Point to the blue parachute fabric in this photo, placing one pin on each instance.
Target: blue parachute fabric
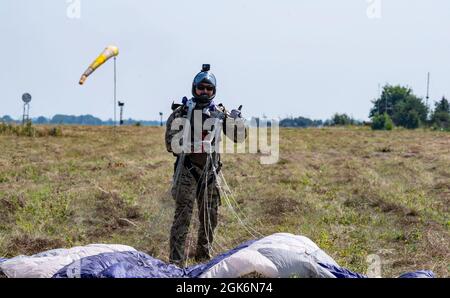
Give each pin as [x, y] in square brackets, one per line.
[149, 269]
[340, 272]
[197, 270]
[418, 274]
[129, 264]
[3, 260]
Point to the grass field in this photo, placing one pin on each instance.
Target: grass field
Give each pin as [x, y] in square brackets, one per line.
[353, 191]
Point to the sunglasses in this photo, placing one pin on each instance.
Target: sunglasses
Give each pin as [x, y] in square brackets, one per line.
[209, 88]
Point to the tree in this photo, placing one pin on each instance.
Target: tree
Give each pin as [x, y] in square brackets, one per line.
[390, 96]
[442, 106]
[441, 114]
[400, 103]
[410, 112]
[300, 122]
[382, 122]
[341, 119]
[7, 119]
[411, 120]
[70, 119]
[441, 119]
[41, 120]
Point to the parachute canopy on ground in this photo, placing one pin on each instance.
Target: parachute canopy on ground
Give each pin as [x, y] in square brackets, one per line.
[277, 255]
[108, 53]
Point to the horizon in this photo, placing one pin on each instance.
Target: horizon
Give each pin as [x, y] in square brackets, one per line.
[154, 120]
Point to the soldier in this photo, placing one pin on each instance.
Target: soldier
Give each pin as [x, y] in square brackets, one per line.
[195, 171]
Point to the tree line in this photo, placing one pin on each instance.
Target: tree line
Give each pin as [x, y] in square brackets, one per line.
[79, 120]
[397, 106]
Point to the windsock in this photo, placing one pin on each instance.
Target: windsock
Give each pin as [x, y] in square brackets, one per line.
[109, 52]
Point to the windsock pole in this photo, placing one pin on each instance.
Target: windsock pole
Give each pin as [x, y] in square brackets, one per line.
[115, 90]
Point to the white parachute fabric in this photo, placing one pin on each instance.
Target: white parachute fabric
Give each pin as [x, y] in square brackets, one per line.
[241, 263]
[277, 255]
[46, 264]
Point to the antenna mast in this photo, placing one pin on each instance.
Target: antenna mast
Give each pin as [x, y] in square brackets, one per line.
[428, 88]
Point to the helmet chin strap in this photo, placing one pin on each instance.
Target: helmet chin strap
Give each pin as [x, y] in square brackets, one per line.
[202, 100]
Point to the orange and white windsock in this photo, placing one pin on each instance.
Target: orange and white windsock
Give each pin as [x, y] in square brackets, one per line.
[109, 52]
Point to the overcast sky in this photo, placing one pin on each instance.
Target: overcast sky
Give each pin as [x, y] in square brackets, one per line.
[278, 58]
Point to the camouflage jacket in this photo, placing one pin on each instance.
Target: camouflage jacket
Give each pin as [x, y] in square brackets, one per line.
[212, 111]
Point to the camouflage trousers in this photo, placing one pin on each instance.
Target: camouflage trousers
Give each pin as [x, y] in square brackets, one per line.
[185, 192]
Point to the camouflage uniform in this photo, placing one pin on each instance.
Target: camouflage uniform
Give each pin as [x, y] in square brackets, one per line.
[190, 187]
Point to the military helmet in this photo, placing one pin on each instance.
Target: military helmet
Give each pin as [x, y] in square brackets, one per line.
[205, 76]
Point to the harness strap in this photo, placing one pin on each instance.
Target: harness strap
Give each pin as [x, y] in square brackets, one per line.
[190, 167]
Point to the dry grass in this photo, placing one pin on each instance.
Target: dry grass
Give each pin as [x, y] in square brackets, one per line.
[353, 191]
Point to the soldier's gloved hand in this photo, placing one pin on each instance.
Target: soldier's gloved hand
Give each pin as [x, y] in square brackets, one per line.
[218, 114]
[235, 114]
